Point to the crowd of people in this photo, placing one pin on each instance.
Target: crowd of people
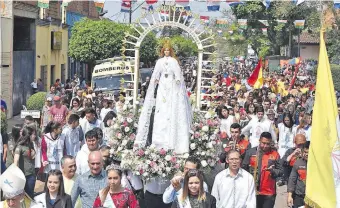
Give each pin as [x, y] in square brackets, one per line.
[265, 134]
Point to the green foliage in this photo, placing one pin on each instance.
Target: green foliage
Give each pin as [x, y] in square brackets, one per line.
[3, 122]
[148, 49]
[333, 40]
[94, 40]
[336, 76]
[36, 101]
[277, 34]
[183, 47]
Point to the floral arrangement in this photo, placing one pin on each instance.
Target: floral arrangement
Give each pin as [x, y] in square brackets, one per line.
[151, 162]
[205, 140]
[124, 129]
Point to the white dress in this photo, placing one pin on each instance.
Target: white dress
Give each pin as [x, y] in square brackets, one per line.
[173, 113]
[225, 125]
[286, 139]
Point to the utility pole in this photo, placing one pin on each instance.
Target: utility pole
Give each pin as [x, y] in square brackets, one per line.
[130, 13]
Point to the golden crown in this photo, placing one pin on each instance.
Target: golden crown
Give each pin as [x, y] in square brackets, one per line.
[167, 44]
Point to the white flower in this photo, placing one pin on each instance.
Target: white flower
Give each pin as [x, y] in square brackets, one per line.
[167, 169]
[186, 155]
[207, 115]
[148, 162]
[163, 175]
[120, 148]
[116, 126]
[203, 153]
[145, 174]
[152, 146]
[125, 107]
[124, 142]
[129, 120]
[205, 128]
[209, 145]
[127, 129]
[135, 125]
[146, 152]
[204, 163]
[137, 173]
[192, 146]
[168, 158]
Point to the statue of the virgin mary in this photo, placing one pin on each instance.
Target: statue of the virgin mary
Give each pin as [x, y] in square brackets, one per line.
[166, 114]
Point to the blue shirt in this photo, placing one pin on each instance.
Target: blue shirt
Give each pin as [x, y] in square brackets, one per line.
[87, 186]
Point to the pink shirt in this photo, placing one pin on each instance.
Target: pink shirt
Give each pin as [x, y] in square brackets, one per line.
[59, 114]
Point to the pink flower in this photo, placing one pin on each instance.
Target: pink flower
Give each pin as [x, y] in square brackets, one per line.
[130, 115]
[141, 171]
[162, 152]
[210, 123]
[201, 125]
[177, 166]
[152, 164]
[132, 136]
[173, 160]
[125, 123]
[140, 152]
[197, 135]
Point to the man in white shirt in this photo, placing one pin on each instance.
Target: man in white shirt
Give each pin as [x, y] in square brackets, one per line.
[90, 121]
[71, 136]
[257, 126]
[234, 187]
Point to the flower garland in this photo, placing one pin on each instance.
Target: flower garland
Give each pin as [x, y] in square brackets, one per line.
[150, 162]
[205, 140]
[124, 130]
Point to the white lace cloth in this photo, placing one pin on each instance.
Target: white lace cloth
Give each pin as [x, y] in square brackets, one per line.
[173, 113]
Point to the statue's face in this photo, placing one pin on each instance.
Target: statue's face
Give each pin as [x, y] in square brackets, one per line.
[167, 52]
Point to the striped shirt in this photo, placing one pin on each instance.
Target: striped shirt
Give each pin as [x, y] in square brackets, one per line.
[87, 187]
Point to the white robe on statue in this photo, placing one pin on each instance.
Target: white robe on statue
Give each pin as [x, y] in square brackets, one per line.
[173, 113]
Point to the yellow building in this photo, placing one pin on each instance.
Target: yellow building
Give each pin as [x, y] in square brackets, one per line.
[51, 53]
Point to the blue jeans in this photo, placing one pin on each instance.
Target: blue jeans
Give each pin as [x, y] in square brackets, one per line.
[30, 184]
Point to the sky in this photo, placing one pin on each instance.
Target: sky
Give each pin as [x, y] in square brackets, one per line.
[113, 7]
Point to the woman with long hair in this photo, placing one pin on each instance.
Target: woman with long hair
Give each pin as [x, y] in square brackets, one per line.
[52, 148]
[37, 147]
[54, 196]
[226, 120]
[24, 157]
[15, 135]
[192, 194]
[286, 135]
[76, 107]
[108, 121]
[115, 195]
[305, 126]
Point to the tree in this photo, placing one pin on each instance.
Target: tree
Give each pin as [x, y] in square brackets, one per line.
[94, 40]
[278, 35]
[183, 46]
[333, 34]
[148, 50]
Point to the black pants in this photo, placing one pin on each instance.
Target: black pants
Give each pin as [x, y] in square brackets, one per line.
[264, 201]
[155, 201]
[298, 201]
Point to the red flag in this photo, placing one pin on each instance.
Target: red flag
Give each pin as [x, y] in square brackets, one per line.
[294, 78]
[255, 75]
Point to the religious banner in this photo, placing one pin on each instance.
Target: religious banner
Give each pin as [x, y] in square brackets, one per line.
[242, 23]
[265, 22]
[221, 23]
[43, 4]
[213, 5]
[300, 24]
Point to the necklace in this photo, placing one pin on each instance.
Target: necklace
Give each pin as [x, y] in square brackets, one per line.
[194, 201]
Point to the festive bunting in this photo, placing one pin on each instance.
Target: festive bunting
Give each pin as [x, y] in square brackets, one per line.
[266, 3]
[183, 4]
[148, 8]
[126, 6]
[151, 1]
[265, 22]
[264, 30]
[337, 4]
[299, 2]
[281, 21]
[45, 4]
[99, 4]
[205, 19]
[221, 23]
[234, 3]
[242, 23]
[213, 5]
[165, 14]
[299, 24]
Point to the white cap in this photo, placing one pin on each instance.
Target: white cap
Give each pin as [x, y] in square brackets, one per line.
[12, 181]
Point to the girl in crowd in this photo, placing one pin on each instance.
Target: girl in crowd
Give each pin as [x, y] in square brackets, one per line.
[305, 127]
[37, 147]
[286, 136]
[114, 195]
[54, 196]
[108, 121]
[192, 194]
[24, 158]
[251, 111]
[16, 133]
[52, 148]
[76, 108]
[226, 120]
